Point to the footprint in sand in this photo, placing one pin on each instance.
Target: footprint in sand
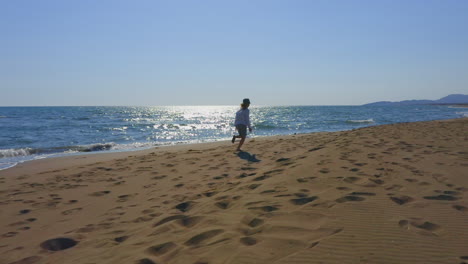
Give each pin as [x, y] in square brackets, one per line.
[58, 244]
[141, 219]
[202, 237]
[360, 164]
[28, 260]
[305, 179]
[394, 187]
[268, 191]
[261, 178]
[284, 195]
[124, 198]
[183, 220]
[24, 211]
[401, 199]
[363, 193]
[350, 198]
[411, 180]
[248, 241]
[159, 177]
[441, 197]
[267, 208]
[351, 179]
[376, 181]
[291, 228]
[185, 206]
[161, 249]
[303, 200]
[255, 222]
[145, 261]
[343, 188]
[71, 211]
[244, 175]
[420, 224]
[119, 183]
[284, 161]
[460, 208]
[209, 194]
[10, 234]
[253, 186]
[121, 239]
[169, 219]
[101, 193]
[223, 204]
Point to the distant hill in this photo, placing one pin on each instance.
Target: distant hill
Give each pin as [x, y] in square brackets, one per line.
[450, 99]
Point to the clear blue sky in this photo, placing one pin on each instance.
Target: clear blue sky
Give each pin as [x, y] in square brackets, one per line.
[287, 52]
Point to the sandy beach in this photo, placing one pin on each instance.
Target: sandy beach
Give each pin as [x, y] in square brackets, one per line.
[384, 194]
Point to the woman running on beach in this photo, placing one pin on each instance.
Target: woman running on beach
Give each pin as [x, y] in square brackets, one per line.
[242, 122]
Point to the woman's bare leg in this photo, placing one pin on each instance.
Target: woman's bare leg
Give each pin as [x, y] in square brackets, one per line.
[240, 143]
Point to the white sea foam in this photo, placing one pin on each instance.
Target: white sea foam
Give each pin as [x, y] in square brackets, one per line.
[463, 114]
[120, 128]
[7, 165]
[370, 120]
[8, 153]
[93, 147]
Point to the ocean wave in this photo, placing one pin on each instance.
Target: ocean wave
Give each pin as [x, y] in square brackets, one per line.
[370, 120]
[266, 126]
[92, 147]
[7, 165]
[463, 114]
[10, 153]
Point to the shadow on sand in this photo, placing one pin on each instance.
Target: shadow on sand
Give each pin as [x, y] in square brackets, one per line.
[247, 156]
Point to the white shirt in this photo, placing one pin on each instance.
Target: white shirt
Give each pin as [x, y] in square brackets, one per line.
[242, 117]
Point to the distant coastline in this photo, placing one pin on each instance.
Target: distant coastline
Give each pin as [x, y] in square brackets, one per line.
[455, 105]
[453, 99]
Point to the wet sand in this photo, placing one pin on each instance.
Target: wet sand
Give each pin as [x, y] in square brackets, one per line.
[384, 194]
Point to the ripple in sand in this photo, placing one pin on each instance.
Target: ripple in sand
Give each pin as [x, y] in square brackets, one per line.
[198, 239]
[248, 241]
[28, 260]
[161, 249]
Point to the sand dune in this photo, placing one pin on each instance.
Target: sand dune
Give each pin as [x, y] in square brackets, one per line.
[385, 194]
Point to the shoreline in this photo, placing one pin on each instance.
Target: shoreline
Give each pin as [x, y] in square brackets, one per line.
[119, 153]
[384, 194]
[131, 133]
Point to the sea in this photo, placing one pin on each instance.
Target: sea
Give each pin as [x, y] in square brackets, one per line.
[30, 133]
